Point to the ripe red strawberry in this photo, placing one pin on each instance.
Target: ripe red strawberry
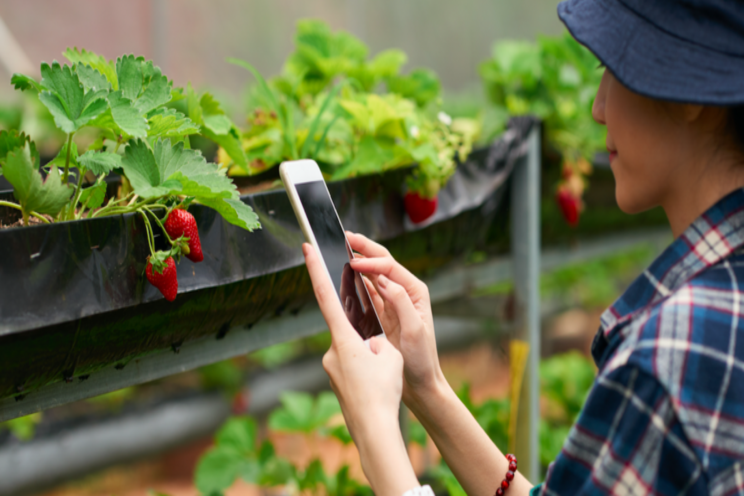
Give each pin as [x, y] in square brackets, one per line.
[167, 281]
[419, 208]
[181, 223]
[570, 206]
[240, 402]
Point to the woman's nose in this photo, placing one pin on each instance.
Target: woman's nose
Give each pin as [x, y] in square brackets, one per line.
[598, 108]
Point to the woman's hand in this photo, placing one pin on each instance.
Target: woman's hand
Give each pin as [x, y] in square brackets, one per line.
[368, 383]
[402, 302]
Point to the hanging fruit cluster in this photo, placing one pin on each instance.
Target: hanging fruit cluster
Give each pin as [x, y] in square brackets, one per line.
[571, 189]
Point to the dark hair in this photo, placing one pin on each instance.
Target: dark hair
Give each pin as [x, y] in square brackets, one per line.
[736, 123]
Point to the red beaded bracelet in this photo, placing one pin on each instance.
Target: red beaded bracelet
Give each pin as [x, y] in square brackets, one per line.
[509, 475]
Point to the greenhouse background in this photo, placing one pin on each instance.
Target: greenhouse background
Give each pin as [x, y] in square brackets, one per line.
[189, 39]
[524, 192]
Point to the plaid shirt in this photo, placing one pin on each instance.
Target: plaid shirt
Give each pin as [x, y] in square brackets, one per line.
[666, 412]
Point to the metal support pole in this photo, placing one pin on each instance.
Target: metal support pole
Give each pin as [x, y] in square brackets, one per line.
[525, 220]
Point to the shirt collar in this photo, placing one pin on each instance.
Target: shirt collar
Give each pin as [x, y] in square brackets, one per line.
[709, 239]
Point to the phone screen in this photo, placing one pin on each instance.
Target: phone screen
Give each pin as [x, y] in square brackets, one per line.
[336, 253]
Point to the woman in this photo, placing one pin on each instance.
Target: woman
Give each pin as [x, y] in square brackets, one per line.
[666, 412]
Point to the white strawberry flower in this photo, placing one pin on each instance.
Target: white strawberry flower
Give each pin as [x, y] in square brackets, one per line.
[444, 118]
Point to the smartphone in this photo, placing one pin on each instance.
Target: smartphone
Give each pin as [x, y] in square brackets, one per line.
[322, 228]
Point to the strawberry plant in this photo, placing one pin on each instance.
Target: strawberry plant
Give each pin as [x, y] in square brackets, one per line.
[353, 114]
[555, 79]
[238, 453]
[138, 136]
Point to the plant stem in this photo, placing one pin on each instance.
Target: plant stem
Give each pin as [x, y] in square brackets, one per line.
[79, 215]
[78, 192]
[117, 209]
[150, 236]
[4, 203]
[147, 209]
[67, 160]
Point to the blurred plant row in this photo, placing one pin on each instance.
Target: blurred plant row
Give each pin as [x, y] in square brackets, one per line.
[240, 452]
[355, 114]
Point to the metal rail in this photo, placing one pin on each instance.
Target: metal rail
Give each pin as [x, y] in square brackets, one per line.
[457, 281]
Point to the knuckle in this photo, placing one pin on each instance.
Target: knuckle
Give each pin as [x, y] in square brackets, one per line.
[396, 291]
[328, 361]
[423, 289]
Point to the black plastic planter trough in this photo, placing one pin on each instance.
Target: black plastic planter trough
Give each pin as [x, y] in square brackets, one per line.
[74, 299]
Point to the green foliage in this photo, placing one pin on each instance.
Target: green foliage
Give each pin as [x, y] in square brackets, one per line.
[566, 379]
[592, 283]
[22, 428]
[492, 415]
[301, 413]
[34, 194]
[71, 105]
[443, 474]
[138, 136]
[238, 453]
[596, 282]
[99, 162]
[352, 114]
[555, 79]
[224, 375]
[215, 125]
[124, 99]
[277, 354]
[11, 140]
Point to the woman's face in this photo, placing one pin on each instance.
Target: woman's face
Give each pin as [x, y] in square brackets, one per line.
[645, 142]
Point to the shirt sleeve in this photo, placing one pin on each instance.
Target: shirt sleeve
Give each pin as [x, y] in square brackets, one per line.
[627, 440]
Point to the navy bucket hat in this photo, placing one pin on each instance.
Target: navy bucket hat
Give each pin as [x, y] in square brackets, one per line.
[688, 51]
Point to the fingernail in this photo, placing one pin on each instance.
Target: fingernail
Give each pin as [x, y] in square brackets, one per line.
[382, 281]
[348, 303]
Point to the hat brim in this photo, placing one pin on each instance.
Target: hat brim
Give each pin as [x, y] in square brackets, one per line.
[651, 61]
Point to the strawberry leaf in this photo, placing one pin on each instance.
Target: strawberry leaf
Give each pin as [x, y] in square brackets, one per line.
[61, 157]
[169, 123]
[216, 126]
[23, 83]
[9, 140]
[93, 197]
[68, 102]
[213, 116]
[142, 83]
[35, 195]
[126, 117]
[142, 88]
[167, 169]
[95, 61]
[234, 211]
[100, 162]
[91, 78]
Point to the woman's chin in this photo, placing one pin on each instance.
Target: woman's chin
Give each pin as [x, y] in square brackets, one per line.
[630, 204]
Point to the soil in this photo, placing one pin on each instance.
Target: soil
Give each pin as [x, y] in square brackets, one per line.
[32, 221]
